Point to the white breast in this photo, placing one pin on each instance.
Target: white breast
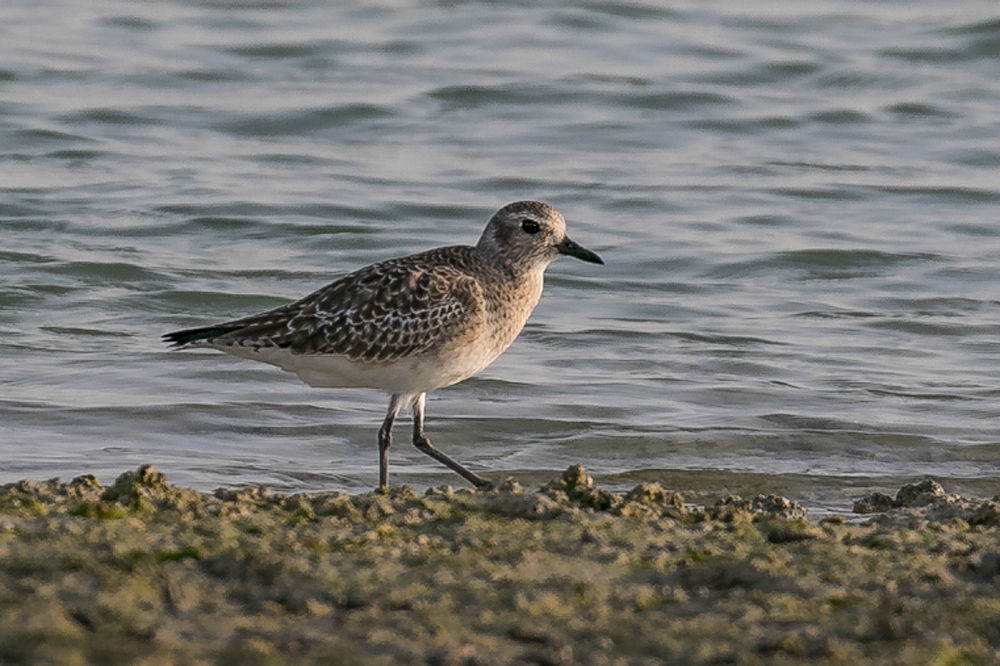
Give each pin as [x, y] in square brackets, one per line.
[406, 376]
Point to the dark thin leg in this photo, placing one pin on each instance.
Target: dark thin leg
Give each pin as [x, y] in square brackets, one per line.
[385, 440]
[423, 444]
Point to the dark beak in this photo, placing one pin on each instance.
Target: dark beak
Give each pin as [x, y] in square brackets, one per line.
[572, 249]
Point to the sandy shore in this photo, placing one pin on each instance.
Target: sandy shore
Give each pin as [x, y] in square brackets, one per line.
[143, 572]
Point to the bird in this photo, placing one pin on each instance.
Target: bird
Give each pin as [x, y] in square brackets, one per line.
[409, 325]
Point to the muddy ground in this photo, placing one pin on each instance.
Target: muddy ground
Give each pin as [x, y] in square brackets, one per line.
[143, 572]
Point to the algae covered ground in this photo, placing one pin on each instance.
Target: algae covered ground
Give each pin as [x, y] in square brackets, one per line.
[142, 572]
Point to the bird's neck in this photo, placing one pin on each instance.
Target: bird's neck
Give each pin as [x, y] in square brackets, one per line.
[519, 296]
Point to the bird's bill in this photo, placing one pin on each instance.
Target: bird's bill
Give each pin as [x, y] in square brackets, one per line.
[572, 249]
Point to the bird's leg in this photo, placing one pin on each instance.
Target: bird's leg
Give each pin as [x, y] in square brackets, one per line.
[423, 444]
[385, 439]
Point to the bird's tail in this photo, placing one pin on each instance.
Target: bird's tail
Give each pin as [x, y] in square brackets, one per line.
[186, 337]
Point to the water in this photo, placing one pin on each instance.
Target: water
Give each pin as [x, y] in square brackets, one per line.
[797, 203]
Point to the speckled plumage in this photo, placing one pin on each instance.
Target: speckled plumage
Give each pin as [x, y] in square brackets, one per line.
[412, 324]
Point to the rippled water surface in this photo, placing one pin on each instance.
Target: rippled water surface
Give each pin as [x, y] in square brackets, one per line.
[797, 203]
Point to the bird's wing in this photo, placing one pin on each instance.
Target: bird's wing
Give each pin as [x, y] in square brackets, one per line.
[379, 314]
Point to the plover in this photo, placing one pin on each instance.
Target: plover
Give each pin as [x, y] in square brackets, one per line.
[409, 325]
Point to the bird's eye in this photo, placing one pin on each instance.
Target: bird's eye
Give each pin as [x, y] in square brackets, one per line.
[530, 226]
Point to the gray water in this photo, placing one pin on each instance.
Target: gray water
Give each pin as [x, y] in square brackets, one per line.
[797, 203]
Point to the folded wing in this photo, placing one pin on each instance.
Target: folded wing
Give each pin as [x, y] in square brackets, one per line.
[379, 314]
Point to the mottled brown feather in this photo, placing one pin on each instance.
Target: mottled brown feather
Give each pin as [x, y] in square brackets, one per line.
[379, 314]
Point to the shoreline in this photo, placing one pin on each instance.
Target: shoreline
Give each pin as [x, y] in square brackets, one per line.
[142, 571]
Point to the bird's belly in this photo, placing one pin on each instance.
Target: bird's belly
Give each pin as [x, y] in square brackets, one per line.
[405, 376]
